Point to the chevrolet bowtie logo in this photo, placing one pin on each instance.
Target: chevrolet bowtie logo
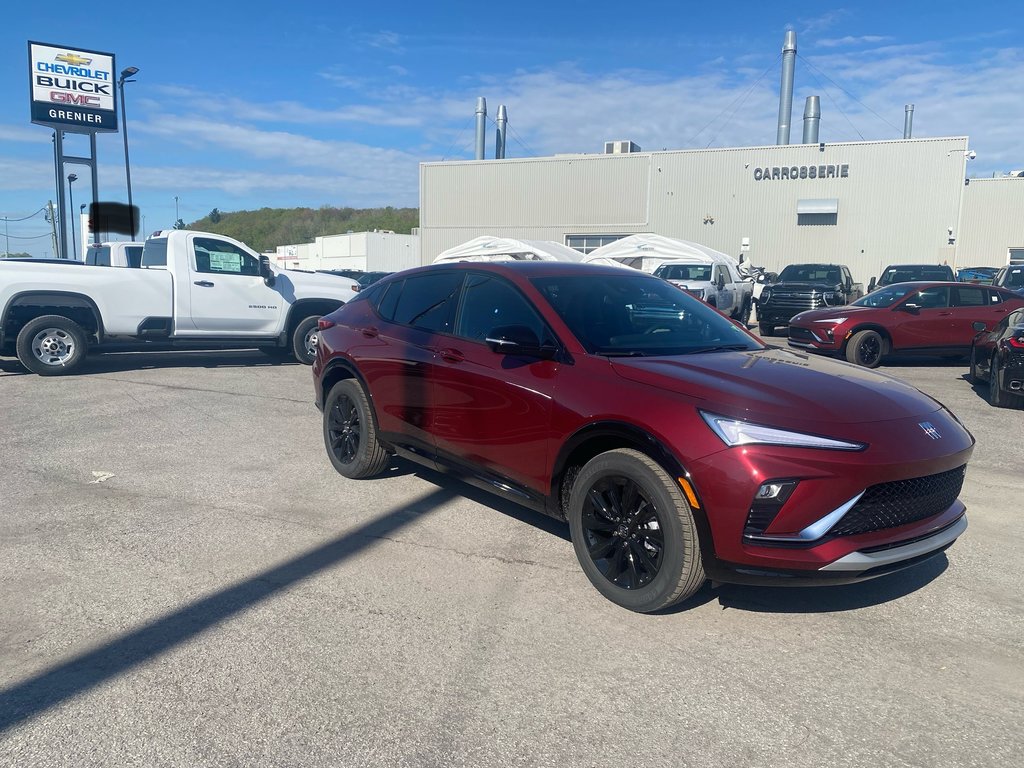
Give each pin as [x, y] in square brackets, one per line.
[72, 59]
[930, 430]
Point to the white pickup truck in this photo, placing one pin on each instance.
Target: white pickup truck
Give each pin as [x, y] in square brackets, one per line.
[192, 289]
[716, 281]
[117, 253]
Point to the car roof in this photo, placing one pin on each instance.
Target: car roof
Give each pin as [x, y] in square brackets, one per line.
[911, 266]
[530, 269]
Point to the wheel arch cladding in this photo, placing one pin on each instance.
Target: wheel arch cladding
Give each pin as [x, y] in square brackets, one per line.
[29, 305]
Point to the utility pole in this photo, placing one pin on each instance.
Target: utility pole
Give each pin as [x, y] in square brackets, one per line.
[7, 234]
[52, 218]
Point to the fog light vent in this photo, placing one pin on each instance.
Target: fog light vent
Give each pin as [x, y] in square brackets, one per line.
[768, 501]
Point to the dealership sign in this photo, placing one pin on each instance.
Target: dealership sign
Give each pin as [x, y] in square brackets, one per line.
[72, 89]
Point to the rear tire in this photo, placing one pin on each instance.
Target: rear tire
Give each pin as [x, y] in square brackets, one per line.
[766, 329]
[866, 349]
[52, 345]
[973, 375]
[304, 340]
[997, 396]
[744, 316]
[350, 433]
[633, 532]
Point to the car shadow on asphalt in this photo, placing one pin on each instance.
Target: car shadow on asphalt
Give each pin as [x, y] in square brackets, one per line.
[117, 362]
[54, 686]
[817, 599]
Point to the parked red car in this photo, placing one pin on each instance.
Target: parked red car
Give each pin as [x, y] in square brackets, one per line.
[678, 446]
[934, 318]
[997, 357]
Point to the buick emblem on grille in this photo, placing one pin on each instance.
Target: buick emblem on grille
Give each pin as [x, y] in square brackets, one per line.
[930, 430]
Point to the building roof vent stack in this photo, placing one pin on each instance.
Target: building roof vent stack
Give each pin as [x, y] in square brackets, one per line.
[481, 127]
[812, 119]
[786, 91]
[908, 121]
[499, 136]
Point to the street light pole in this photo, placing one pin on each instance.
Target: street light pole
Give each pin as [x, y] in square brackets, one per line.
[72, 178]
[7, 234]
[175, 211]
[126, 73]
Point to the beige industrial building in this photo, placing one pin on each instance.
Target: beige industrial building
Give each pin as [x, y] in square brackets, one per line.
[864, 204]
[376, 251]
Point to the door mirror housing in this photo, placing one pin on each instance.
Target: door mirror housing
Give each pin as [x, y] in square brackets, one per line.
[721, 282]
[519, 340]
[871, 285]
[266, 272]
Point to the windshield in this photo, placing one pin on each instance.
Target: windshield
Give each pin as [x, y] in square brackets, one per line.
[915, 272]
[1014, 278]
[884, 297]
[627, 315]
[810, 273]
[695, 272]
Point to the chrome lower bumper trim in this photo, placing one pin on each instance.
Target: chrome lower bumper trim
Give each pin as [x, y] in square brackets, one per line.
[862, 561]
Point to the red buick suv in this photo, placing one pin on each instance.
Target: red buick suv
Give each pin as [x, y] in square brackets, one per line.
[677, 446]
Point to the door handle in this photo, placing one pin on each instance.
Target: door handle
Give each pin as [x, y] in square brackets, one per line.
[370, 333]
[204, 283]
[451, 355]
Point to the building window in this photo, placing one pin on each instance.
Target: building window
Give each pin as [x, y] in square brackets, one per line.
[587, 243]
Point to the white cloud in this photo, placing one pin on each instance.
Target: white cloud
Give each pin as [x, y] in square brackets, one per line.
[849, 40]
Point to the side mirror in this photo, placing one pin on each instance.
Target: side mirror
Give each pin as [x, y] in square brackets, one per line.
[266, 272]
[871, 285]
[979, 326]
[721, 282]
[519, 340]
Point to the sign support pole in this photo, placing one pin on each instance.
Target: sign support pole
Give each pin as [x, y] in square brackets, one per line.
[62, 207]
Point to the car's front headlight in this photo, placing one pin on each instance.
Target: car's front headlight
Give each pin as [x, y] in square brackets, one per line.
[734, 432]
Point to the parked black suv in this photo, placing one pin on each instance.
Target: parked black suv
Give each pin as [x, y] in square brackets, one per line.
[802, 287]
[908, 273]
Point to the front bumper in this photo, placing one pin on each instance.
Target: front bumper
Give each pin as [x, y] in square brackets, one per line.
[858, 566]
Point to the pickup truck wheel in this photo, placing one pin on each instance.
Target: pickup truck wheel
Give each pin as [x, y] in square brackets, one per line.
[304, 341]
[865, 348]
[744, 315]
[766, 329]
[633, 532]
[52, 345]
[350, 433]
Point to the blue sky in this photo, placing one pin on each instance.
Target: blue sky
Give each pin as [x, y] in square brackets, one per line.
[246, 105]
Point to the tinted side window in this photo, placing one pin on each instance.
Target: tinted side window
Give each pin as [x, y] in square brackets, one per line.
[931, 298]
[154, 253]
[428, 301]
[220, 257]
[134, 254]
[971, 297]
[389, 300]
[488, 302]
[98, 255]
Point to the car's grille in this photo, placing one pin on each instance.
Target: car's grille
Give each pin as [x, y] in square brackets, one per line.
[800, 334]
[890, 505]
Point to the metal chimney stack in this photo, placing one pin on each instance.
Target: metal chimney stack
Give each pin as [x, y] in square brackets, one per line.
[786, 92]
[481, 127]
[812, 118]
[499, 138]
[908, 121]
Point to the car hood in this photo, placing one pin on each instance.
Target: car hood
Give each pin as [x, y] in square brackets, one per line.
[802, 286]
[781, 386]
[307, 285]
[830, 313]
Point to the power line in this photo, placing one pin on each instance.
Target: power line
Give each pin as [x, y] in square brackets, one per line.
[741, 103]
[739, 98]
[25, 218]
[869, 109]
[32, 237]
[457, 138]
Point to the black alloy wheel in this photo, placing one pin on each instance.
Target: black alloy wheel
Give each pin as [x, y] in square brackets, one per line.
[343, 425]
[973, 374]
[350, 433]
[624, 537]
[865, 348]
[633, 531]
[996, 396]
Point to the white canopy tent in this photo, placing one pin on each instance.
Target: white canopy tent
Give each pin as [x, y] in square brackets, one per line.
[487, 248]
[648, 251]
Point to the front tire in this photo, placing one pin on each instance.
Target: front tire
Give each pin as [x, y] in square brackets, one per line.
[633, 532]
[866, 348]
[304, 339]
[766, 329]
[52, 345]
[350, 433]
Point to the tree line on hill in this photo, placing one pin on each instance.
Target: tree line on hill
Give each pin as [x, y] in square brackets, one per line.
[267, 228]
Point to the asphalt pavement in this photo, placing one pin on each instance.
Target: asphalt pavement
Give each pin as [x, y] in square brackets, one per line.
[185, 581]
